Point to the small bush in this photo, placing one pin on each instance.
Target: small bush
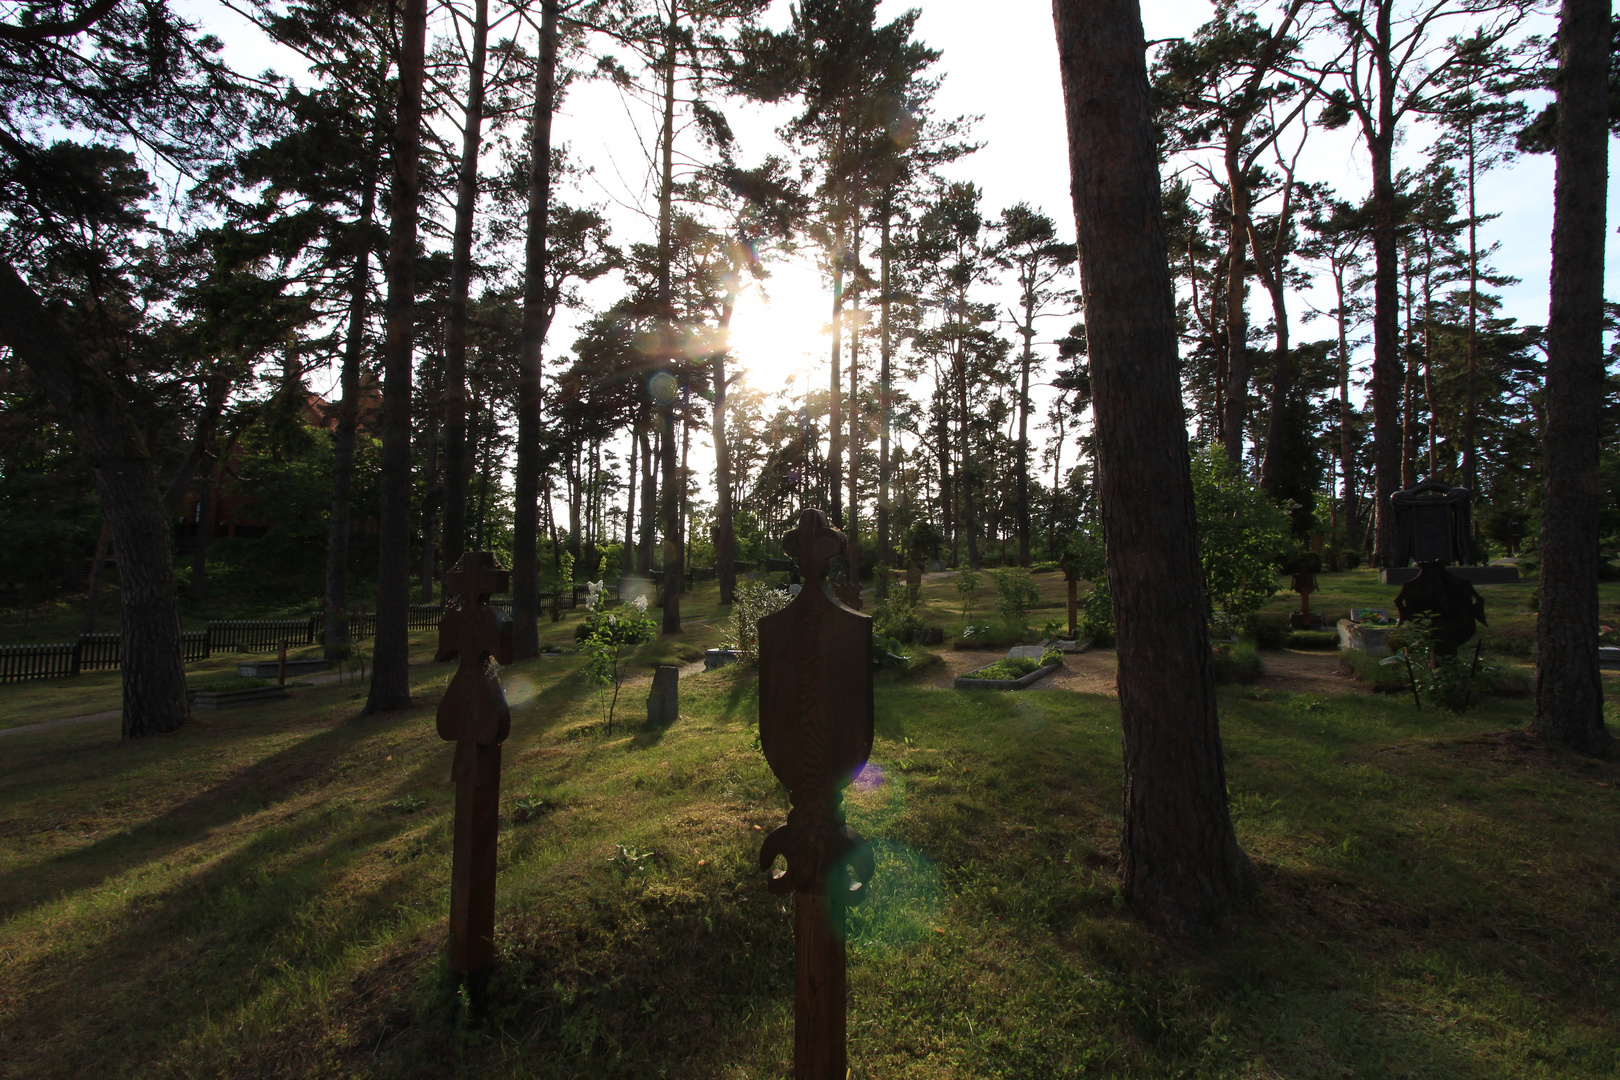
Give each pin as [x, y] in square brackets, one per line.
[1368, 669]
[987, 636]
[1016, 593]
[897, 617]
[753, 601]
[1313, 639]
[1237, 663]
[1266, 631]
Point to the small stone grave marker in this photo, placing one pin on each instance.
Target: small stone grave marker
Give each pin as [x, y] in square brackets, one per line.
[473, 715]
[815, 727]
[664, 702]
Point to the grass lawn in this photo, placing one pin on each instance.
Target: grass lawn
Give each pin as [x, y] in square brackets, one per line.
[263, 893]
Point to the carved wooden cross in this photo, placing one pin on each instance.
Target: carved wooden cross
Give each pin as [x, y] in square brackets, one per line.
[815, 726]
[473, 715]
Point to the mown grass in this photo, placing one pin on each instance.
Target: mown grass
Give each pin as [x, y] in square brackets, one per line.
[264, 893]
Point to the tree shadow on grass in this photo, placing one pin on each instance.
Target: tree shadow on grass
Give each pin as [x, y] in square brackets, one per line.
[272, 917]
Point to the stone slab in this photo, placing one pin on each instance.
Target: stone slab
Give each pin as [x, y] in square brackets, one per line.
[715, 658]
[1372, 640]
[664, 702]
[1479, 575]
[1608, 656]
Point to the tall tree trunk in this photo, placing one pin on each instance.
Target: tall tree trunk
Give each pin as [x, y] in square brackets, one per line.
[1180, 858]
[205, 527]
[725, 565]
[154, 676]
[455, 325]
[1470, 462]
[627, 558]
[1385, 390]
[967, 470]
[92, 604]
[854, 551]
[526, 476]
[1569, 688]
[673, 487]
[835, 421]
[432, 492]
[1270, 268]
[1409, 390]
[644, 551]
[391, 676]
[335, 600]
[1026, 361]
[885, 358]
[1236, 397]
[1347, 446]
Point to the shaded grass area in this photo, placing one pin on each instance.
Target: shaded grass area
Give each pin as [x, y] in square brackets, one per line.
[263, 894]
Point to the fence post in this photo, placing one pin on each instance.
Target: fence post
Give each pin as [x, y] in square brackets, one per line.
[78, 647]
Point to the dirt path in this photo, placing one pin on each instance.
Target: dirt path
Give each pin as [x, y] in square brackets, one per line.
[61, 721]
[1095, 670]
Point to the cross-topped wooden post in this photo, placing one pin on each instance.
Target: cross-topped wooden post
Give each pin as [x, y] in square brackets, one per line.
[815, 726]
[473, 715]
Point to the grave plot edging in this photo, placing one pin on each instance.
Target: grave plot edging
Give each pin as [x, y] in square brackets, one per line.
[965, 683]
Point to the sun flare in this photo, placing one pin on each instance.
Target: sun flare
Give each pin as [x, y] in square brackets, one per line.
[779, 330]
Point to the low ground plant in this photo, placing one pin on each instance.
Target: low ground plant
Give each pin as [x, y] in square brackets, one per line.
[1016, 667]
[1237, 662]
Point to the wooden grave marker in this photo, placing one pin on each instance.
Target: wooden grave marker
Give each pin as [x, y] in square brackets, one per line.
[473, 715]
[815, 727]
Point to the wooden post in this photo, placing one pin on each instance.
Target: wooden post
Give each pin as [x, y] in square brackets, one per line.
[1074, 606]
[473, 715]
[281, 664]
[815, 727]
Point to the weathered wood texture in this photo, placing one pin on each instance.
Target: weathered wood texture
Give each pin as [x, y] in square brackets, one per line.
[815, 727]
[473, 715]
[1180, 861]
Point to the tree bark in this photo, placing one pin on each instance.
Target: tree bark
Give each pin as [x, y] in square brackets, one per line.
[644, 549]
[390, 668]
[92, 604]
[1180, 860]
[1569, 688]
[432, 493]
[885, 358]
[336, 598]
[154, 676]
[205, 526]
[673, 487]
[455, 327]
[526, 477]
[725, 566]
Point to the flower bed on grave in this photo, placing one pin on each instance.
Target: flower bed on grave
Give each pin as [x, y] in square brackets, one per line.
[1011, 673]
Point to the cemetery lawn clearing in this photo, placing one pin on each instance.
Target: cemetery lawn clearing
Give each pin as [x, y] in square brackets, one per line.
[264, 893]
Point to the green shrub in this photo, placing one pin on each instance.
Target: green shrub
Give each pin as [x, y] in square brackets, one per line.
[967, 590]
[753, 601]
[1368, 669]
[612, 636]
[1313, 639]
[1266, 631]
[1016, 593]
[1086, 558]
[987, 636]
[1238, 662]
[897, 617]
[1240, 532]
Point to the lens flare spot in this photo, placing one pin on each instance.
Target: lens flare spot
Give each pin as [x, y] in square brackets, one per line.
[520, 690]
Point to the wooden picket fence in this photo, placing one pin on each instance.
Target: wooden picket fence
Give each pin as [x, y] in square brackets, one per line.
[97, 652]
[92, 652]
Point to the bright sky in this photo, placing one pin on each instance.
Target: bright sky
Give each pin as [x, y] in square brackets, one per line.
[1002, 68]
